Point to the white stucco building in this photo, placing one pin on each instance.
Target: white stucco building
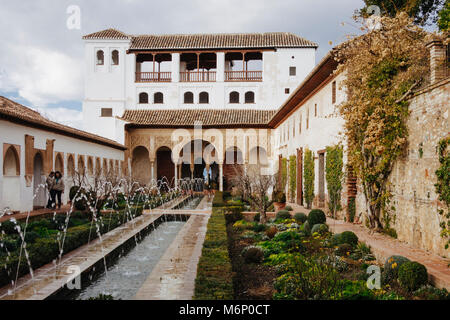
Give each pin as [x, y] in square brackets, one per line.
[173, 72]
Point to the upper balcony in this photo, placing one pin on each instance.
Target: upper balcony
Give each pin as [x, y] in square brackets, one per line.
[199, 67]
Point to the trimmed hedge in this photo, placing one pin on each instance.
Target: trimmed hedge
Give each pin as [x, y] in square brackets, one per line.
[214, 275]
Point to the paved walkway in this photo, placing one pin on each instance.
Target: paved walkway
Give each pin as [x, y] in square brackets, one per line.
[384, 246]
[173, 278]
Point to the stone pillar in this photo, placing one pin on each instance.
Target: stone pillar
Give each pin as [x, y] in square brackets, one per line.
[152, 169]
[220, 76]
[220, 176]
[207, 172]
[438, 63]
[192, 166]
[175, 67]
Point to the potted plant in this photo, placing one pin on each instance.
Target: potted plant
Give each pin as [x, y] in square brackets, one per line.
[279, 200]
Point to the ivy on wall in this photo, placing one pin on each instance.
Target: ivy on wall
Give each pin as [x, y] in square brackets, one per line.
[334, 175]
[283, 174]
[308, 177]
[383, 69]
[292, 177]
[443, 187]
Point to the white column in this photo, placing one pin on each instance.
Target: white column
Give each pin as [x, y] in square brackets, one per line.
[152, 166]
[220, 76]
[175, 67]
[176, 175]
[220, 177]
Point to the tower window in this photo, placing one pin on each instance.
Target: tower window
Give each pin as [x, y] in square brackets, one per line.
[249, 97]
[106, 112]
[292, 71]
[286, 90]
[188, 97]
[143, 97]
[115, 58]
[100, 58]
[203, 97]
[158, 97]
[234, 97]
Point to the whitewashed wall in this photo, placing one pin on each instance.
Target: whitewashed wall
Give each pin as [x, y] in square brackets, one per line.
[12, 133]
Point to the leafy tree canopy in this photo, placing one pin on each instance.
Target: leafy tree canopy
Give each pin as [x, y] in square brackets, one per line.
[423, 11]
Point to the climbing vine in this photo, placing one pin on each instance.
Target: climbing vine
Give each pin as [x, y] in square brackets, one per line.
[443, 187]
[283, 174]
[308, 177]
[383, 69]
[292, 177]
[334, 175]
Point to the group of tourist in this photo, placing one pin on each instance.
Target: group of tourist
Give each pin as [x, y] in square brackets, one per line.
[55, 185]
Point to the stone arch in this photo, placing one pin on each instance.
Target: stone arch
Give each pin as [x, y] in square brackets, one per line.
[59, 163]
[38, 180]
[165, 168]
[140, 165]
[258, 156]
[70, 166]
[233, 161]
[105, 167]
[11, 162]
[80, 165]
[98, 166]
[90, 166]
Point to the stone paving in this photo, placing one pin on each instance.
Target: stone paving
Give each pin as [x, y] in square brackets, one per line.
[173, 278]
[384, 246]
[50, 278]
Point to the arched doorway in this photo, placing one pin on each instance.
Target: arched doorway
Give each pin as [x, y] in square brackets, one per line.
[11, 180]
[38, 181]
[165, 168]
[140, 165]
[59, 164]
[232, 166]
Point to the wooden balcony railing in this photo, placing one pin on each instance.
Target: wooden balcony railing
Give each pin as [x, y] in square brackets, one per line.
[243, 75]
[198, 76]
[153, 76]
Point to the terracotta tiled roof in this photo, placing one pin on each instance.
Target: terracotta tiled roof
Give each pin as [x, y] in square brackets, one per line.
[207, 41]
[16, 112]
[209, 117]
[108, 34]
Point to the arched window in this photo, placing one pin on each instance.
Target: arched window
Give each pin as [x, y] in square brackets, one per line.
[188, 97]
[249, 97]
[234, 97]
[11, 163]
[204, 97]
[143, 97]
[158, 97]
[115, 58]
[100, 58]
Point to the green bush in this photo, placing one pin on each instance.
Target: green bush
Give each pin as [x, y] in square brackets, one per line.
[412, 275]
[283, 214]
[306, 228]
[349, 237]
[218, 199]
[391, 266]
[233, 214]
[356, 290]
[253, 255]
[300, 217]
[257, 217]
[319, 228]
[279, 196]
[287, 236]
[259, 227]
[344, 250]
[8, 227]
[316, 216]
[288, 208]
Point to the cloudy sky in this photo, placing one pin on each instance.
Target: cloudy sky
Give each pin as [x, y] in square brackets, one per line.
[41, 60]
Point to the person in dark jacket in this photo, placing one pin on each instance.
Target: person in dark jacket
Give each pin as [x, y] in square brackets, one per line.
[49, 182]
[58, 187]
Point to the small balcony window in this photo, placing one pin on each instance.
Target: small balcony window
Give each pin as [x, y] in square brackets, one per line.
[106, 112]
[100, 58]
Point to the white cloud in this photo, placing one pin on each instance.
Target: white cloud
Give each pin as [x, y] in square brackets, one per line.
[70, 117]
[42, 76]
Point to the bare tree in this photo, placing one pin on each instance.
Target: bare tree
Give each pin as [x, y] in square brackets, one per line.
[254, 186]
